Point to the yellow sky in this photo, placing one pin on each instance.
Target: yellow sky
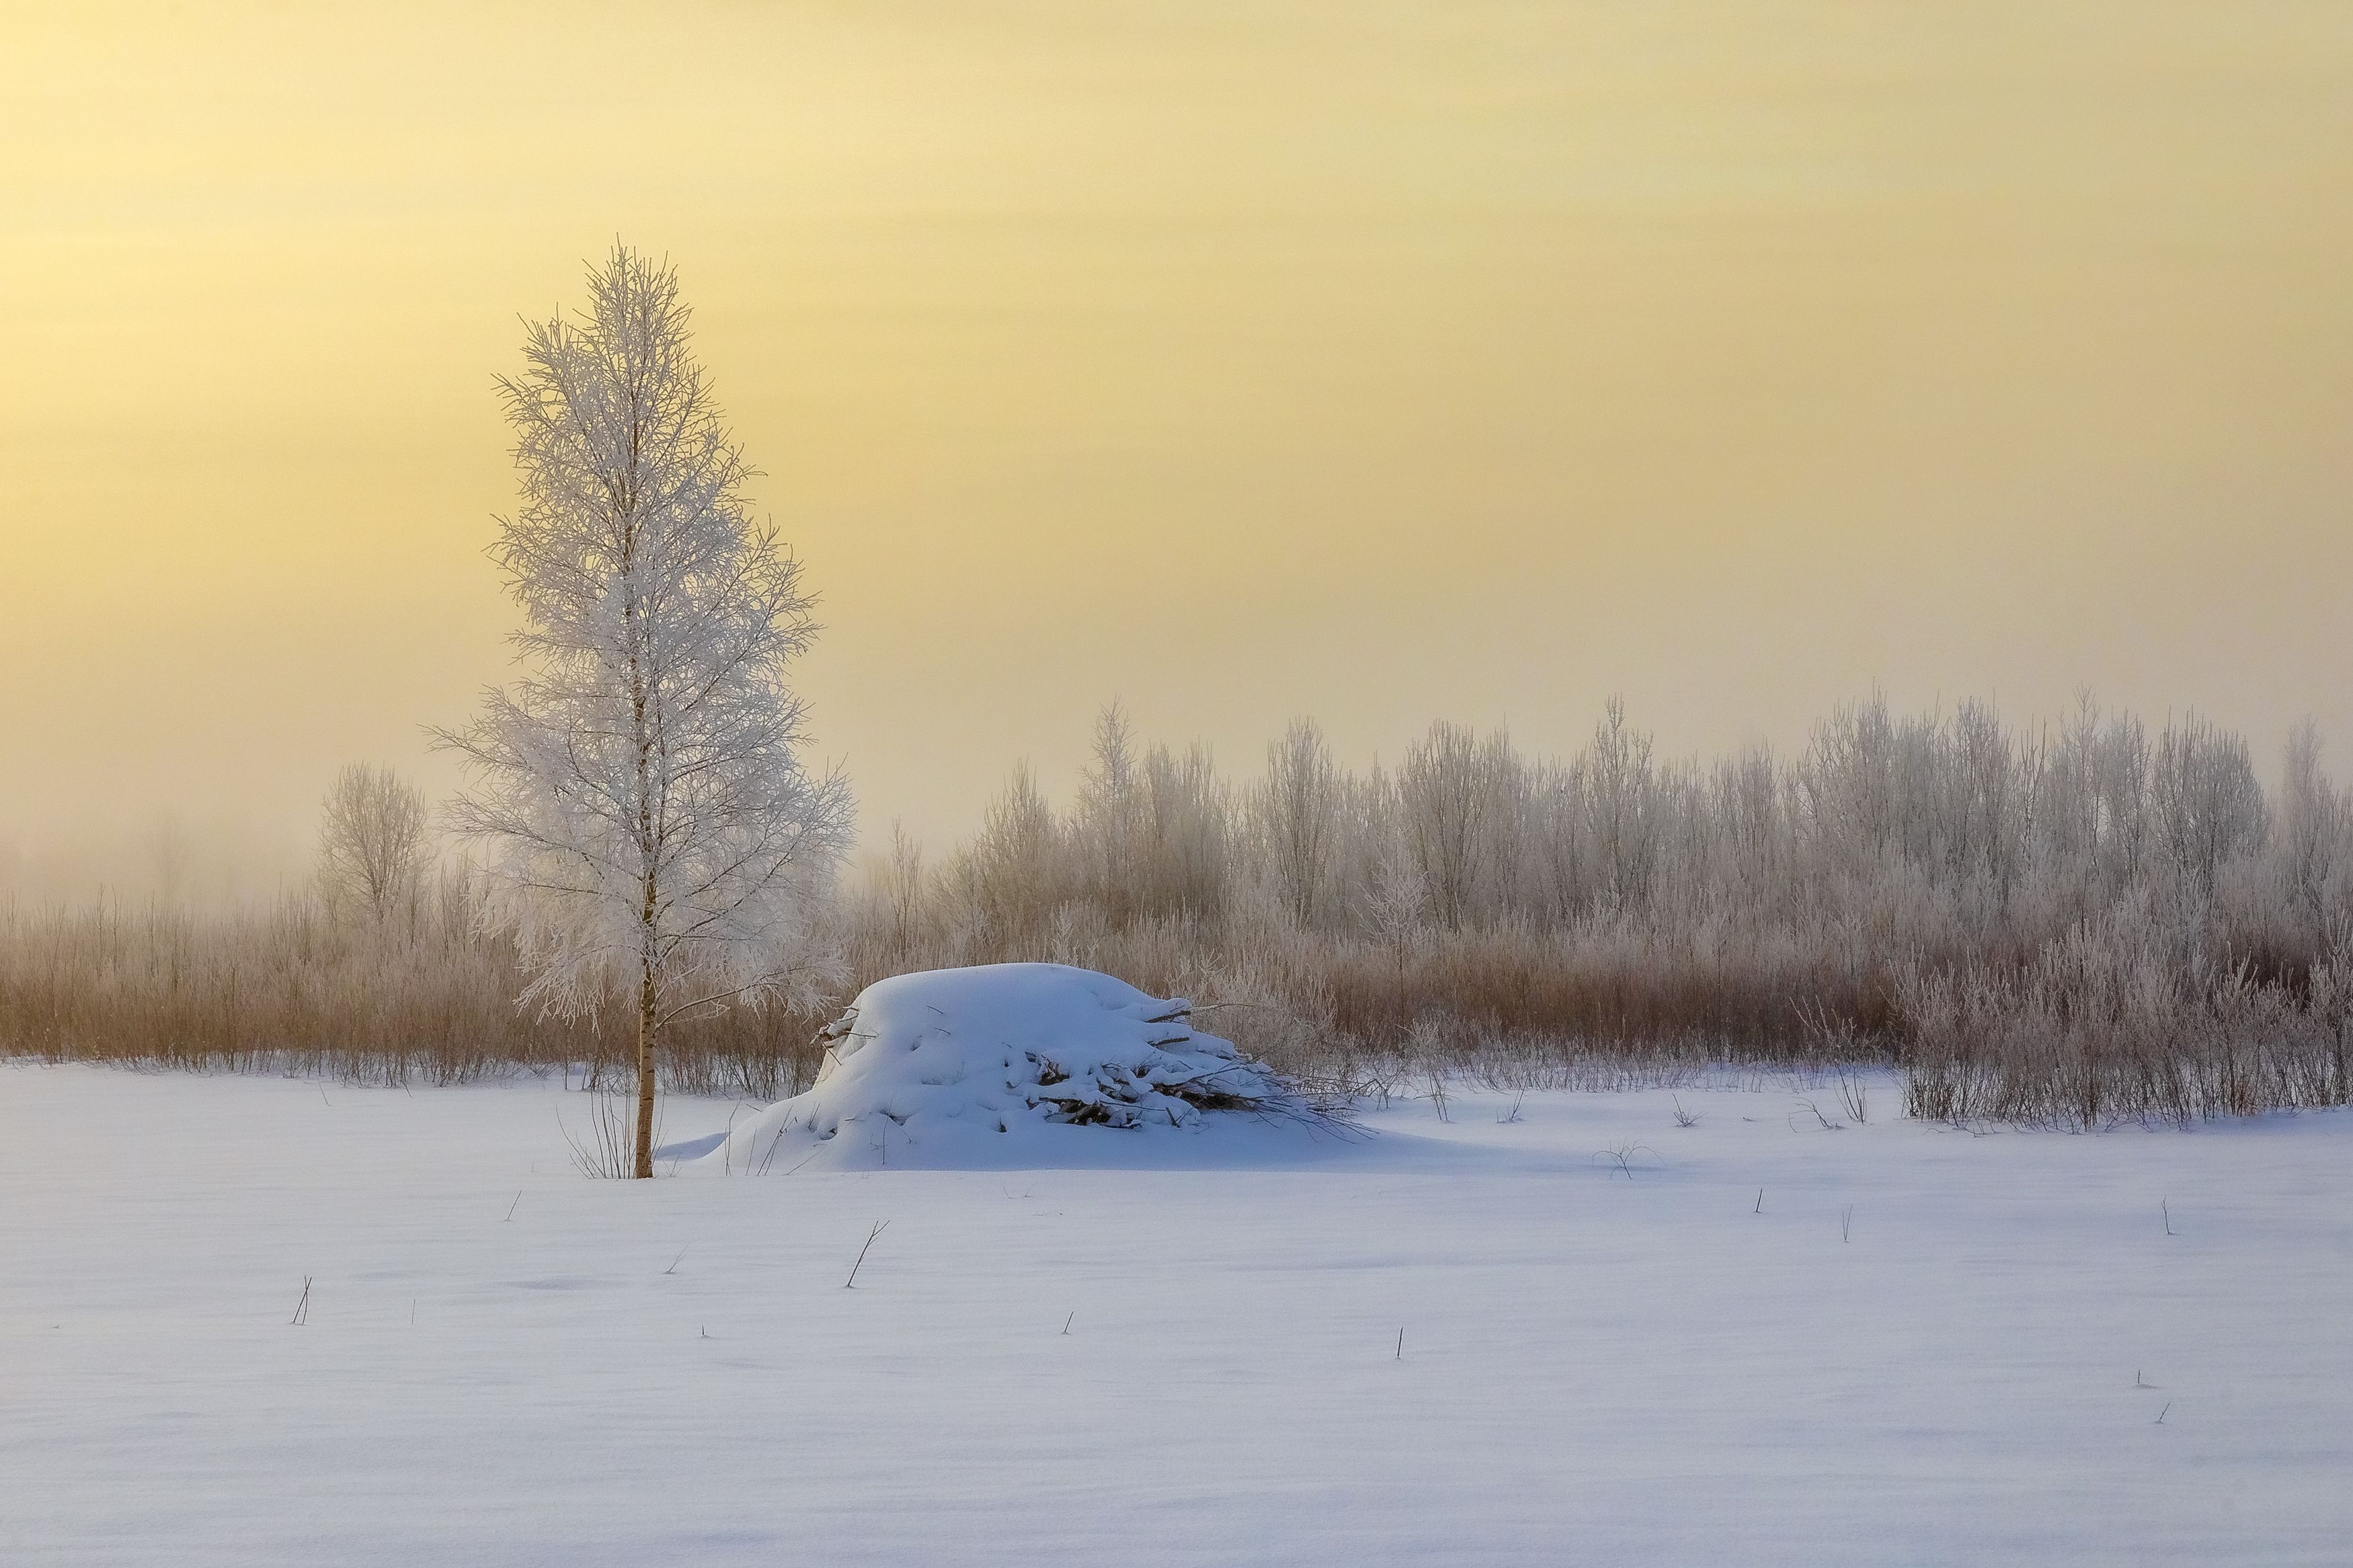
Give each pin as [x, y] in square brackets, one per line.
[1378, 361]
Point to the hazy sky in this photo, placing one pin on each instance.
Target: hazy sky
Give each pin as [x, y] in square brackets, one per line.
[1377, 361]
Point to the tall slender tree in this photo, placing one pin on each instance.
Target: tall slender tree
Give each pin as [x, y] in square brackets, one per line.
[652, 831]
[1297, 813]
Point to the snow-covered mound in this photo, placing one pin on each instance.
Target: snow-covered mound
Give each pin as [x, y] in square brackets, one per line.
[1007, 1063]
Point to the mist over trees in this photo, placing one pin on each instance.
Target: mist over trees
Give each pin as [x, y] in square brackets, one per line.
[2073, 922]
[2065, 923]
[1926, 835]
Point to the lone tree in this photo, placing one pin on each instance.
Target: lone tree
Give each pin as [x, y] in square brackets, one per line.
[650, 830]
[372, 843]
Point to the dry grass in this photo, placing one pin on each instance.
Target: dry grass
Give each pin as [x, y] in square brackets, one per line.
[292, 988]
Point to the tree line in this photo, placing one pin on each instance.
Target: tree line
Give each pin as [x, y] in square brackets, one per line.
[2069, 923]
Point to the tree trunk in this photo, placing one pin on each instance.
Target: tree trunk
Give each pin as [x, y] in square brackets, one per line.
[648, 1022]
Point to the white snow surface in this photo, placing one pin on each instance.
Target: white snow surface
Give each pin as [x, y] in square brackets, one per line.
[2005, 1358]
[1017, 1065]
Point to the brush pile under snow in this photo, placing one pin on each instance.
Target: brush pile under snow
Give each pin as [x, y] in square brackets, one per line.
[1000, 1062]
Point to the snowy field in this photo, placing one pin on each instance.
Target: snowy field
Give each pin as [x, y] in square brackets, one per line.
[506, 1364]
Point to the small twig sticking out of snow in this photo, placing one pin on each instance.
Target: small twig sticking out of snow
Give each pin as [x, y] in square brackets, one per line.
[797, 1165]
[2161, 1415]
[1846, 1223]
[1684, 1118]
[1622, 1156]
[1828, 1125]
[512, 1207]
[1438, 1095]
[1854, 1094]
[1068, 1321]
[2165, 1209]
[412, 1311]
[1760, 1202]
[880, 1226]
[1506, 1117]
[1400, 1349]
[2140, 1382]
[678, 1260]
[323, 1100]
[727, 1142]
[301, 1307]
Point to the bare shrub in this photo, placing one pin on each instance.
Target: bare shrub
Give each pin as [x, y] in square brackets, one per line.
[374, 843]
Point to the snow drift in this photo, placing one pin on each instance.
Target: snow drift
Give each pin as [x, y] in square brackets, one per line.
[1016, 1064]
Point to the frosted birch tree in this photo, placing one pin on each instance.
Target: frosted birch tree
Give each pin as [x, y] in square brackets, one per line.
[651, 831]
